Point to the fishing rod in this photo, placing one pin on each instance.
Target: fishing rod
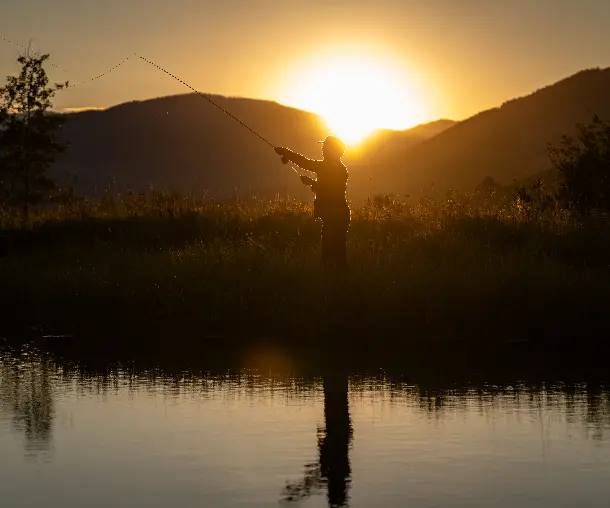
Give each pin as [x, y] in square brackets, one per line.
[284, 159]
[207, 99]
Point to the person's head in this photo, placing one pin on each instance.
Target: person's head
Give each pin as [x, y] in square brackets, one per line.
[332, 147]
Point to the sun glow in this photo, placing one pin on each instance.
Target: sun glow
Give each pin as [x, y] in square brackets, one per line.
[356, 95]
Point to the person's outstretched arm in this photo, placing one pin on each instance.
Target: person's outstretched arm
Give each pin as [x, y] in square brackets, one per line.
[298, 159]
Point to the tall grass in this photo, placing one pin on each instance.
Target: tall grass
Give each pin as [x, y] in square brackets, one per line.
[149, 265]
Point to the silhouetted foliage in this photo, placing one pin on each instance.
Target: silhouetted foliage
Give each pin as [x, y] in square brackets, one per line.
[28, 135]
[536, 199]
[583, 164]
[488, 187]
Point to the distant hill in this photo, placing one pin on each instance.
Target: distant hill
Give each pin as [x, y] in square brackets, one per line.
[506, 143]
[378, 143]
[382, 140]
[184, 143]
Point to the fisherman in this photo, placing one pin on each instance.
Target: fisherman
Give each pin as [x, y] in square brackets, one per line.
[330, 203]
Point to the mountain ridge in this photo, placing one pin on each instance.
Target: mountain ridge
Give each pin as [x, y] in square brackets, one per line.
[183, 143]
[507, 142]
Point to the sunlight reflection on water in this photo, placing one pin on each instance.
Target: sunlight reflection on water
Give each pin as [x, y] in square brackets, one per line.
[71, 438]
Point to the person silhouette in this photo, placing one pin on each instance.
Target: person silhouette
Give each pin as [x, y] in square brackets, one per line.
[330, 203]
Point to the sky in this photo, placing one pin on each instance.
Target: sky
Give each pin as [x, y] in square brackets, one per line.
[451, 58]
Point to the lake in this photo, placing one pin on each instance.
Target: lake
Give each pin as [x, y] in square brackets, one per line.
[265, 435]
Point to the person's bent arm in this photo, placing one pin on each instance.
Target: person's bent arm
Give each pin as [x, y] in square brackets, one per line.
[309, 182]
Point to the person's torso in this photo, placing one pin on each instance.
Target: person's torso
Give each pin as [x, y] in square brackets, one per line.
[331, 183]
[330, 201]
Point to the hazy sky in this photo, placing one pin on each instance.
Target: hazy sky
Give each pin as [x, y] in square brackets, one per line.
[460, 56]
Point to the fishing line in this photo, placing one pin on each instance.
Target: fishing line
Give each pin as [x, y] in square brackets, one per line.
[80, 83]
[6, 39]
[101, 75]
[214, 104]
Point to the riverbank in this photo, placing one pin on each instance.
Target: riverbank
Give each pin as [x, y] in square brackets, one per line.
[162, 266]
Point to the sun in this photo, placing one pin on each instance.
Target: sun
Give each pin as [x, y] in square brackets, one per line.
[356, 95]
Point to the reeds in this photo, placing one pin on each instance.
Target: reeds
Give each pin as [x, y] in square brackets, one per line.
[176, 267]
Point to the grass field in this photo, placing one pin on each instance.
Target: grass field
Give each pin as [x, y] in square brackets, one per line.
[164, 266]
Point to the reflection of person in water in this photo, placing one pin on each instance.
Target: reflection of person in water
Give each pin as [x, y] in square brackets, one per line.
[335, 440]
[333, 467]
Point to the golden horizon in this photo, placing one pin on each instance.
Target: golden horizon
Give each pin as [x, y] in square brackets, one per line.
[356, 90]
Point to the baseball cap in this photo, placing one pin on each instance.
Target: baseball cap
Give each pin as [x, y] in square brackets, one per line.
[335, 143]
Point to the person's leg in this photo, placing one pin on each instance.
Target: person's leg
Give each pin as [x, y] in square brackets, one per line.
[337, 249]
[333, 249]
[341, 248]
[334, 242]
[341, 226]
[327, 247]
[345, 223]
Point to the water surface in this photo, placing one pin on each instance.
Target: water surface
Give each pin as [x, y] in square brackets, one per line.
[73, 438]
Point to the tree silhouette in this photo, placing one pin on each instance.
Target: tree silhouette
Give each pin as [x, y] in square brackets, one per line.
[583, 164]
[28, 135]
